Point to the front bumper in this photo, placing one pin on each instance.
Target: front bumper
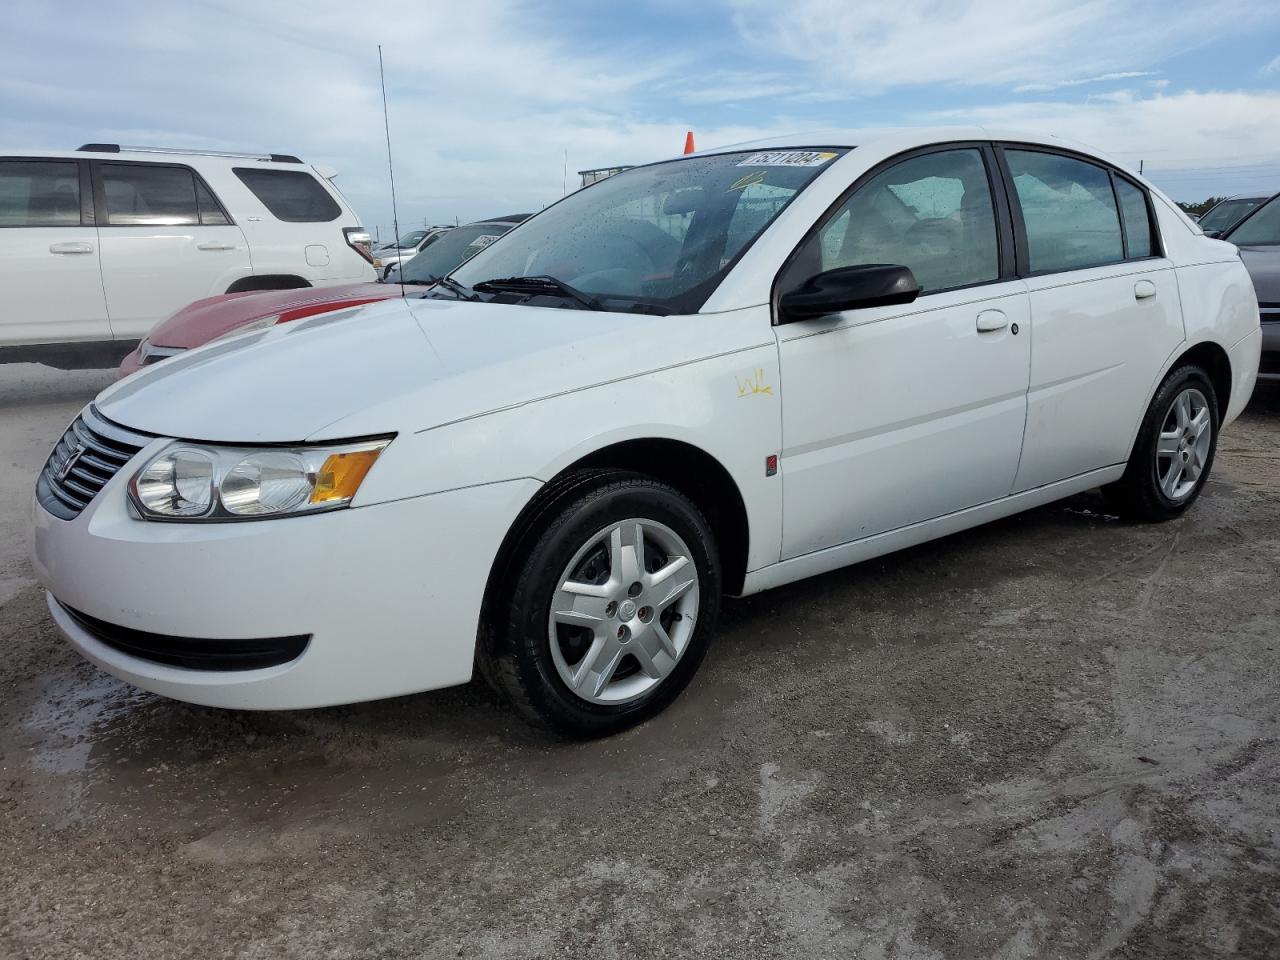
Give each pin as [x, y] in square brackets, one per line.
[389, 594]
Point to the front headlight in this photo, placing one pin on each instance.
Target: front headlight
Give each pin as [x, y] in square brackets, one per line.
[188, 481]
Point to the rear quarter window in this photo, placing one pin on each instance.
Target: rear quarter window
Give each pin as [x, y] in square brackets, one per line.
[290, 195]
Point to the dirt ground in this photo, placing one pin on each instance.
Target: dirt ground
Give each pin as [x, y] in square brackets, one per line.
[1055, 736]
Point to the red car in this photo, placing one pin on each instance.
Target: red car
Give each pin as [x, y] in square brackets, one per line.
[214, 317]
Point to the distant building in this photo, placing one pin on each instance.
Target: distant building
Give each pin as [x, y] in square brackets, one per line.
[600, 173]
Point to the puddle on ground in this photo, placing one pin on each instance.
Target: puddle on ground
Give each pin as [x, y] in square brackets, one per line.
[69, 710]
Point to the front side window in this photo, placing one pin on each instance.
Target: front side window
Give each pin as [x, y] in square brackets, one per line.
[931, 213]
[290, 195]
[453, 247]
[39, 193]
[149, 195]
[1068, 209]
[1261, 229]
[1137, 219]
[658, 237]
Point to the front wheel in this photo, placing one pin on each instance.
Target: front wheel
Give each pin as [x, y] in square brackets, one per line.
[608, 609]
[1174, 451]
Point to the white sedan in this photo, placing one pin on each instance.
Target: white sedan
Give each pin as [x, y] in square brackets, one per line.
[711, 375]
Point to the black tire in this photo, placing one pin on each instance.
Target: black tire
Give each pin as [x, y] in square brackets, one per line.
[515, 649]
[1138, 495]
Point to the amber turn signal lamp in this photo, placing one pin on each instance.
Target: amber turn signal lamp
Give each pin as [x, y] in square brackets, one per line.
[340, 476]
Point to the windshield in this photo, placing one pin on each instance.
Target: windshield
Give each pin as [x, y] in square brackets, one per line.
[1262, 227]
[658, 237]
[1228, 212]
[411, 240]
[450, 249]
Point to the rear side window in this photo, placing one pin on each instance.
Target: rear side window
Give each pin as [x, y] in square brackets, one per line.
[291, 195]
[1068, 209]
[211, 213]
[39, 193]
[150, 195]
[1137, 219]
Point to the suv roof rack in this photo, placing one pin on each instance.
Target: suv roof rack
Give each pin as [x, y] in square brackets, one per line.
[117, 148]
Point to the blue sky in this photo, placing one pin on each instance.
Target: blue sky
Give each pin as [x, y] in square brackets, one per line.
[486, 97]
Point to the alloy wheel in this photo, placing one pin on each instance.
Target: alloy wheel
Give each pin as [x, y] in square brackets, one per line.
[1182, 448]
[624, 611]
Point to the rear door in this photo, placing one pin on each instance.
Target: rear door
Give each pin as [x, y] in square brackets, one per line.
[49, 274]
[166, 241]
[1105, 313]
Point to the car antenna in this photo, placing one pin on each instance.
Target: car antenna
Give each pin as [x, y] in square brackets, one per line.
[386, 126]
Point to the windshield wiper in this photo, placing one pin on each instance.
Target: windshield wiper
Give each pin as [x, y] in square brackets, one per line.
[535, 286]
[453, 286]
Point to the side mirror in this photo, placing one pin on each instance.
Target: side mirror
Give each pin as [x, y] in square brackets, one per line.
[849, 288]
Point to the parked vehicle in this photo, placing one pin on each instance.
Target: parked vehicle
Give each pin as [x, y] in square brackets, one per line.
[556, 460]
[411, 238]
[216, 317]
[450, 249]
[1258, 237]
[1225, 214]
[388, 256]
[102, 243]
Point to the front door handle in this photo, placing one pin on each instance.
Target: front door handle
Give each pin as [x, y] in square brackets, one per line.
[991, 320]
[215, 245]
[1143, 290]
[73, 246]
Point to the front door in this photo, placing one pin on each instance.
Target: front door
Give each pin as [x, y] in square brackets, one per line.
[898, 414]
[166, 242]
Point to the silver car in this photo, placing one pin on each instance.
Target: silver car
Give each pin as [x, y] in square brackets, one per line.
[1226, 213]
[1258, 237]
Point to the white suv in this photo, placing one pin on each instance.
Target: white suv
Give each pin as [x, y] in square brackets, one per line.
[99, 244]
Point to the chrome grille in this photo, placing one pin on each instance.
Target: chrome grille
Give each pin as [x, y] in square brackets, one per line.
[90, 453]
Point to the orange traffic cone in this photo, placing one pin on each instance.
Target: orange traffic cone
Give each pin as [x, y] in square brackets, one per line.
[688, 142]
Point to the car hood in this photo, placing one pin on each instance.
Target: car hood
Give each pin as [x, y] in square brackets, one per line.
[401, 365]
[1263, 264]
[212, 317]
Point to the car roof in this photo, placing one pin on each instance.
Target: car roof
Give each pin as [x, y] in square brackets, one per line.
[186, 157]
[906, 136]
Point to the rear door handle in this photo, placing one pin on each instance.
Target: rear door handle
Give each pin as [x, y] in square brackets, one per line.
[1143, 290]
[992, 320]
[73, 246]
[215, 245]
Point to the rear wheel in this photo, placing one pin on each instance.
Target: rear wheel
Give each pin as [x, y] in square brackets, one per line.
[1174, 451]
[610, 608]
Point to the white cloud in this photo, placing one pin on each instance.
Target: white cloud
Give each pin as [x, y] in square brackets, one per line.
[1273, 66]
[484, 96]
[1192, 143]
[1103, 78]
[859, 47]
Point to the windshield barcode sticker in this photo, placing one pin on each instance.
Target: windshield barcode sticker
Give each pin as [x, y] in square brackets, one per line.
[483, 241]
[788, 158]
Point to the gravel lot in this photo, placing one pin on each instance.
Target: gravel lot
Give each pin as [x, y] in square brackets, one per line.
[1055, 736]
